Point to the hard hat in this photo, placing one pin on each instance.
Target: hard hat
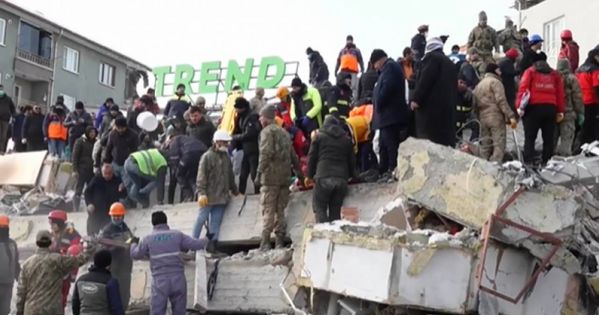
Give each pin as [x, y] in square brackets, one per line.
[566, 34]
[57, 215]
[221, 135]
[147, 121]
[282, 92]
[4, 221]
[535, 39]
[117, 209]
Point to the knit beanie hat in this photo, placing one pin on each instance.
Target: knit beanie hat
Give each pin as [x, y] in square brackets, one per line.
[102, 259]
[158, 217]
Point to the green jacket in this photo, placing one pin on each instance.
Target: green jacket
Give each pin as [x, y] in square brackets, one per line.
[149, 161]
[276, 157]
[215, 177]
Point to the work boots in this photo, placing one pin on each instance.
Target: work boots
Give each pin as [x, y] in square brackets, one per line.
[280, 241]
[265, 243]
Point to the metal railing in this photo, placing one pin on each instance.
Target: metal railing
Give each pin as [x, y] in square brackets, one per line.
[29, 56]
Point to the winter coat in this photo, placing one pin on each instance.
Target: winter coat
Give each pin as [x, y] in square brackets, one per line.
[528, 58]
[389, 97]
[9, 261]
[7, 108]
[339, 100]
[572, 91]
[247, 130]
[570, 51]
[33, 128]
[464, 106]
[508, 78]
[319, 71]
[102, 194]
[484, 38]
[418, 46]
[77, 128]
[349, 59]
[588, 77]
[17, 127]
[177, 106]
[82, 157]
[307, 103]
[436, 92]
[203, 131]
[331, 154]
[119, 147]
[100, 115]
[366, 84]
[183, 148]
[132, 118]
[97, 293]
[545, 86]
[215, 177]
[106, 124]
[276, 157]
[470, 74]
[489, 100]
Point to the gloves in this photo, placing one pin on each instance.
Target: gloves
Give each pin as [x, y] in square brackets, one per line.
[203, 201]
[580, 119]
[513, 123]
[559, 117]
[24, 141]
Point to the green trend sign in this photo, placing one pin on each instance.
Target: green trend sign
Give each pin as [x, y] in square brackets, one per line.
[212, 77]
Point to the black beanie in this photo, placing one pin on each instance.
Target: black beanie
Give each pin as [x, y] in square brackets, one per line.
[491, 68]
[241, 102]
[309, 50]
[102, 259]
[120, 122]
[158, 217]
[79, 105]
[296, 82]
[376, 55]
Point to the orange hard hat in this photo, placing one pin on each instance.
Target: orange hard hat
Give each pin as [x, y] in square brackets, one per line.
[57, 215]
[4, 221]
[282, 92]
[117, 209]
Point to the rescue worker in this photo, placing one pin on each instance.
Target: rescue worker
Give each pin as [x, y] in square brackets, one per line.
[464, 106]
[545, 107]
[258, 101]
[331, 164]
[509, 38]
[569, 50]
[531, 53]
[97, 292]
[390, 110]
[340, 97]
[65, 241]
[122, 264]
[83, 163]
[185, 152]
[274, 169]
[55, 132]
[245, 137]
[358, 124]
[306, 106]
[163, 248]
[39, 290]
[227, 122]
[319, 71]
[215, 185]
[77, 122]
[350, 61]
[588, 77]
[9, 265]
[179, 104]
[419, 42]
[108, 120]
[33, 130]
[103, 190]
[145, 169]
[434, 98]
[508, 76]
[493, 110]
[484, 38]
[574, 114]
[283, 114]
[470, 69]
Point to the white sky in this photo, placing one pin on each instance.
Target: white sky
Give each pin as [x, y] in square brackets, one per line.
[159, 33]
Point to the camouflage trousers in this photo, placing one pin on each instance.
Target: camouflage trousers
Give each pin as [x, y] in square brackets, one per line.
[273, 201]
[492, 136]
[564, 137]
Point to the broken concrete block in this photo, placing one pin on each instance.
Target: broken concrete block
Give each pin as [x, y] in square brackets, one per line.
[243, 283]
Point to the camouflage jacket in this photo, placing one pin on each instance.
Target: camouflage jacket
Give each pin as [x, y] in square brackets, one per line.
[574, 104]
[215, 177]
[276, 157]
[509, 38]
[484, 39]
[40, 283]
[490, 101]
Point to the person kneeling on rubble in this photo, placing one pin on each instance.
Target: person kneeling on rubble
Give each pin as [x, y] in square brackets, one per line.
[215, 184]
[163, 248]
[331, 164]
[145, 169]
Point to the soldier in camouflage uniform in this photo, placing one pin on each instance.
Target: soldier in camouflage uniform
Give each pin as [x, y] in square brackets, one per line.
[574, 109]
[40, 282]
[275, 160]
[484, 38]
[509, 37]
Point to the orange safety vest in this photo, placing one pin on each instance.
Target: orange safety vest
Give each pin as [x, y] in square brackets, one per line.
[349, 60]
[364, 110]
[57, 131]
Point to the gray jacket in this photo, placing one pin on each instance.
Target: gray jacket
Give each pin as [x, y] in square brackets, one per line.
[9, 262]
[215, 177]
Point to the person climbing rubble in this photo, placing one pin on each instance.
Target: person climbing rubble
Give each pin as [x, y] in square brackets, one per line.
[9, 265]
[163, 248]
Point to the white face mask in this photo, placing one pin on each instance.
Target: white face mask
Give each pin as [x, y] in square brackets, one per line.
[223, 149]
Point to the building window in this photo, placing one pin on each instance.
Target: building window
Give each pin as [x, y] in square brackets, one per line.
[2, 31]
[70, 61]
[551, 35]
[107, 74]
[69, 101]
[35, 41]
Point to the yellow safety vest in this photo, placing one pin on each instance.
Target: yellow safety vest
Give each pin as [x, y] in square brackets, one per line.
[149, 161]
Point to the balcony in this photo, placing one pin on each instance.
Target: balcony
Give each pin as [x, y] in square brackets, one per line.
[31, 57]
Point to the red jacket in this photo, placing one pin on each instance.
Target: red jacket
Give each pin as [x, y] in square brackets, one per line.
[570, 51]
[589, 83]
[545, 86]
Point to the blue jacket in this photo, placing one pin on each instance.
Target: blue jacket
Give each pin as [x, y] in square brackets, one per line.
[100, 115]
[97, 292]
[389, 97]
[17, 127]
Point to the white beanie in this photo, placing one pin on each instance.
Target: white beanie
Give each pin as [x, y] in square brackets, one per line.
[433, 44]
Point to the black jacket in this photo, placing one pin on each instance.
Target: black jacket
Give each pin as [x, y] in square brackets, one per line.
[82, 157]
[132, 119]
[176, 107]
[436, 92]
[247, 130]
[319, 71]
[418, 46]
[33, 128]
[339, 100]
[331, 154]
[528, 59]
[102, 194]
[366, 85]
[508, 78]
[470, 74]
[119, 147]
[203, 131]
[97, 292]
[7, 108]
[389, 97]
[183, 148]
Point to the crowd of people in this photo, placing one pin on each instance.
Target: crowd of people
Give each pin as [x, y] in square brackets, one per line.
[316, 135]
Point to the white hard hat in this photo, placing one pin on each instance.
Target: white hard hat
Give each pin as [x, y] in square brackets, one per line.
[147, 121]
[221, 135]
